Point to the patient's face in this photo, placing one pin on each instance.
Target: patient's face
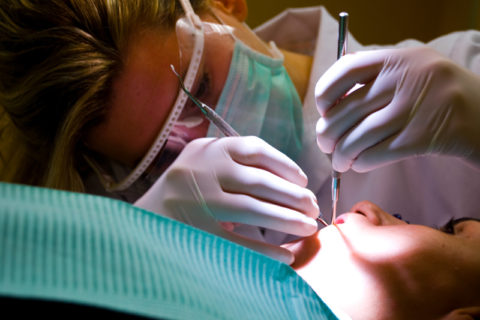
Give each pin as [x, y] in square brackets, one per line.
[373, 265]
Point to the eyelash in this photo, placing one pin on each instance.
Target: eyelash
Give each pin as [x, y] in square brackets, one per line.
[449, 227]
[203, 86]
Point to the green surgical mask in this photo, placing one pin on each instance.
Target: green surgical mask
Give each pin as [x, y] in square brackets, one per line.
[260, 99]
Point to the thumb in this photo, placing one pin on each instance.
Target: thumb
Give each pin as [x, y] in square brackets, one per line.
[384, 153]
[275, 252]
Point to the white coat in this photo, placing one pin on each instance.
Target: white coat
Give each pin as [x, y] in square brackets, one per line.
[427, 190]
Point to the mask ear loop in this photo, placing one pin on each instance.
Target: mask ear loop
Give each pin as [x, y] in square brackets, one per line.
[190, 14]
[197, 30]
[276, 53]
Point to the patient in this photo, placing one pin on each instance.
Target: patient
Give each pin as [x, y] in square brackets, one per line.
[372, 265]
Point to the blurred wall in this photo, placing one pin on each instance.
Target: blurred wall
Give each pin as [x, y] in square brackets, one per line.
[385, 21]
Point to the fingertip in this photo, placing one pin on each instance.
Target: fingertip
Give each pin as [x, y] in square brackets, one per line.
[364, 162]
[290, 258]
[295, 175]
[340, 166]
[302, 226]
[312, 210]
[322, 100]
[274, 252]
[303, 181]
[281, 254]
[379, 156]
[340, 163]
[310, 226]
[321, 126]
[259, 154]
[284, 255]
[361, 167]
[316, 210]
[322, 105]
[325, 144]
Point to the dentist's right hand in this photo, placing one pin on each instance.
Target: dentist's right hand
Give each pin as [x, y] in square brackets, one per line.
[236, 180]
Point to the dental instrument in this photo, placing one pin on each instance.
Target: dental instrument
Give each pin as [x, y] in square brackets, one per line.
[211, 115]
[341, 50]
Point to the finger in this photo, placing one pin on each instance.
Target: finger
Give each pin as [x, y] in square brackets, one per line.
[375, 128]
[391, 150]
[304, 250]
[360, 67]
[268, 187]
[249, 210]
[276, 252]
[349, 112]
[253, 151]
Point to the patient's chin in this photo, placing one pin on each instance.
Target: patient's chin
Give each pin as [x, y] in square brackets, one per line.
[304, 250]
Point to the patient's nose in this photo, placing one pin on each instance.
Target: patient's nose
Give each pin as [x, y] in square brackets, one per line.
[375, 214]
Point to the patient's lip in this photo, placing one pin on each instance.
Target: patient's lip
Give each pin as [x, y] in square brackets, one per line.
[339, 220]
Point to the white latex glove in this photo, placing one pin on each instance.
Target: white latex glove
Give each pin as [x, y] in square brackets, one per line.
[236, 180]
[413, 101]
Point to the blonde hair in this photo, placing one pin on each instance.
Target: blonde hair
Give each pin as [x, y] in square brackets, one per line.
[58, 59]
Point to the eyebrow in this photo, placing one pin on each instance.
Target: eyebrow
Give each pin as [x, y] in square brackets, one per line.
[449, 226]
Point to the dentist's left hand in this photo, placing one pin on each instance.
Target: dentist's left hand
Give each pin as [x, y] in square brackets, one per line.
[413, 101]
[236, 180]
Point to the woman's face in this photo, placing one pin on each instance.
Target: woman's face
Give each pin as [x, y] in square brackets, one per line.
[374, 266]
[146, 89]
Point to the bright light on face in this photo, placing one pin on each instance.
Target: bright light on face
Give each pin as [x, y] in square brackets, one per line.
[374, 266]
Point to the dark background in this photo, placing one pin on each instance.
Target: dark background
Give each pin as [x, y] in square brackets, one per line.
[384, 21]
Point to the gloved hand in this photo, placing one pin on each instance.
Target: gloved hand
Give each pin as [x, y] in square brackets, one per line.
[239, 180]
[407, 102]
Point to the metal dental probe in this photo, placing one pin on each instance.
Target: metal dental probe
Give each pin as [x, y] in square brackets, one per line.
[211, 115]
[341, 50]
